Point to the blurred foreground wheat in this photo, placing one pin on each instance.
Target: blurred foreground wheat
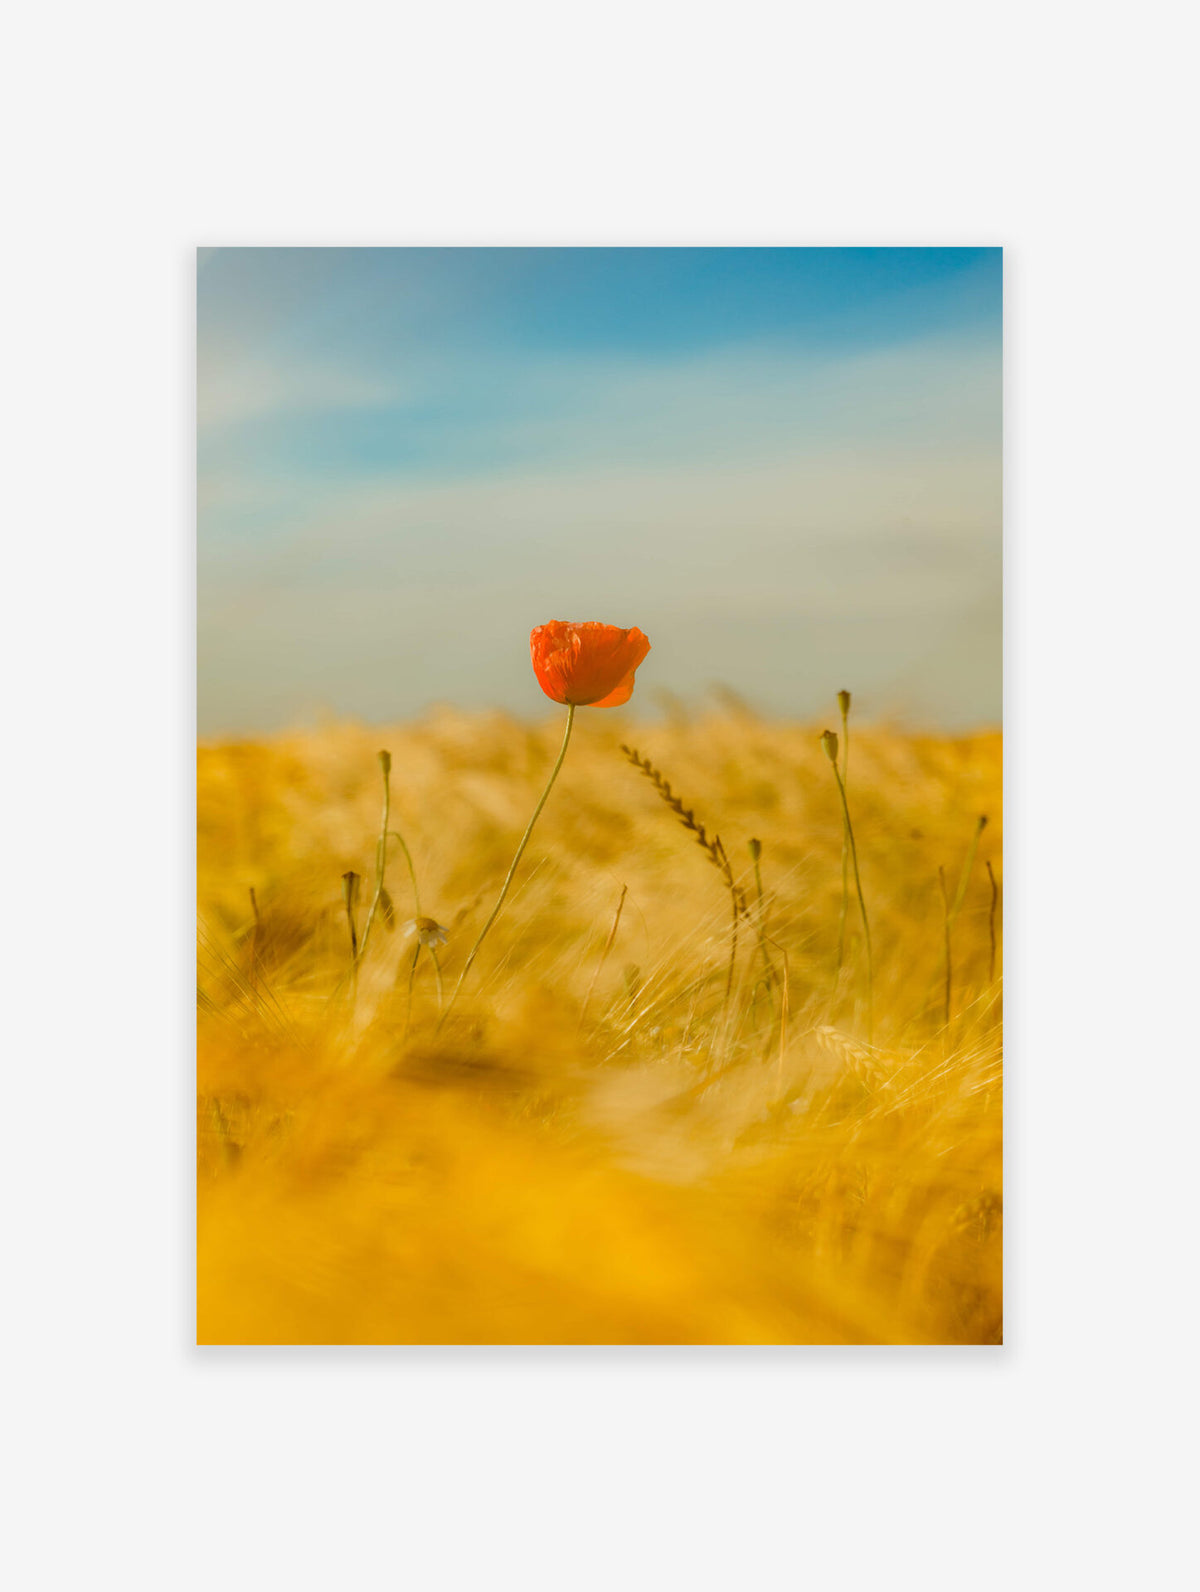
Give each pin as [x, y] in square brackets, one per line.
[611, 1140]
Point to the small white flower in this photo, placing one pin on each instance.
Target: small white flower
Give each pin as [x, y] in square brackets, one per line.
[429, 932]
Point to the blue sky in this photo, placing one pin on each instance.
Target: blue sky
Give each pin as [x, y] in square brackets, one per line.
[783, 464]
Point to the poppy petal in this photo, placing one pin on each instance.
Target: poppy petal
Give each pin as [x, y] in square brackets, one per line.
[616, 697]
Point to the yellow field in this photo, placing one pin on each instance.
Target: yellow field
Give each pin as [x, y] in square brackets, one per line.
[599, 1148]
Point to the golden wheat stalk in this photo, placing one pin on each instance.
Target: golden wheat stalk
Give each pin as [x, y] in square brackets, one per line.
[866, 1062]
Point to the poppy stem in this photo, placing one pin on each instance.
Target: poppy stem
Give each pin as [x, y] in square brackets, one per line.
[537, 811]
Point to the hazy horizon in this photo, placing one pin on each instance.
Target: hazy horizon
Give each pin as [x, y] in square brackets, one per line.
[784, 465]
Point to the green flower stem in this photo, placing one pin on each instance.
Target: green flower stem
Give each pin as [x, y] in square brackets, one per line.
[385, 763]
[412, 973]
[965, 877]
[947, 920]
[412, 872]
[732, 948]
[953, 907]
[350, 883]
[862, 905]
[844, 704]
[756, 855]
[471, 955]
[437, 973]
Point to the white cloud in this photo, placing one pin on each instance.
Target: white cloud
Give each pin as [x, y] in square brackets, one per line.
[233, 387]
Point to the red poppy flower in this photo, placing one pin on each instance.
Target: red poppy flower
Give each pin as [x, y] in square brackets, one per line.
[587, 664]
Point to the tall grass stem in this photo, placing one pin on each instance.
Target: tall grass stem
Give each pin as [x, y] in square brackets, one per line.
[437, 973]
[965, 877]
[254, 941]
[952, 908]
[862, 905]
[760, 918]
[732, 947]
[350, 884]
[412, 872]
[385, 764]
[946, 922]
[412, 973]
[844, 705]
[608, 945]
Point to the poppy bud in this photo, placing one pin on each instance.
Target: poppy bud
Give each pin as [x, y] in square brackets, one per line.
[844, 702]
[755, 850]
[830, 742]
[385, 763]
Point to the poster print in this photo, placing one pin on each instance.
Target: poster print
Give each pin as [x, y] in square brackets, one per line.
[600, 885]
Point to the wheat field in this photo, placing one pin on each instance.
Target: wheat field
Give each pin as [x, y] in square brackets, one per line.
[618, 1135]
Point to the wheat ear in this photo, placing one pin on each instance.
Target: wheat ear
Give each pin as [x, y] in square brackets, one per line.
[710, 845]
